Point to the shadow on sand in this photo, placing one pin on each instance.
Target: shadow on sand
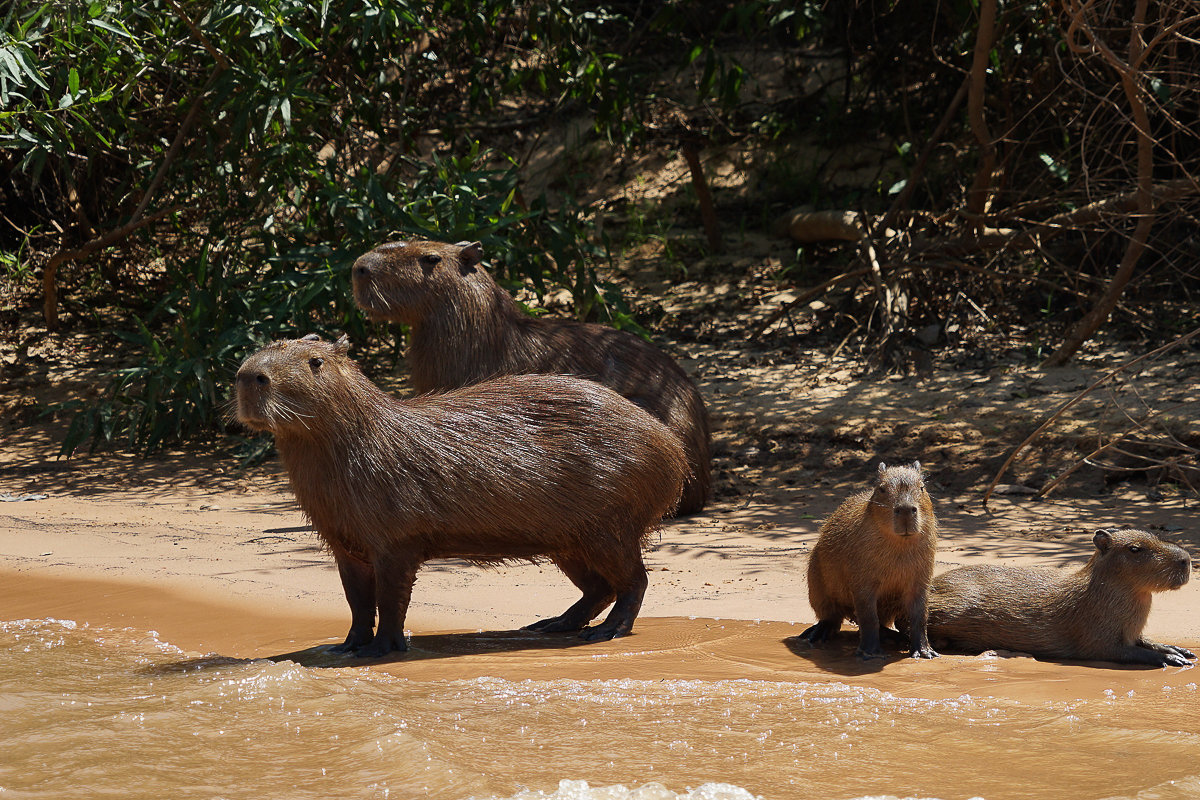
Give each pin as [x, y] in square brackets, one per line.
[422, 647]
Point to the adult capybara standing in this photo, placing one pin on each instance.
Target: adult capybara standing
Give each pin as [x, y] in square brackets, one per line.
[464, 329]
[1095, 614]
[525, 467]
[873, 561]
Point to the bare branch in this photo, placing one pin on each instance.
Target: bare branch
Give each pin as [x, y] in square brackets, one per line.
[1074, 400]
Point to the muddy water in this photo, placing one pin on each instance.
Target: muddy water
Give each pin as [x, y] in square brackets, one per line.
[90, 711]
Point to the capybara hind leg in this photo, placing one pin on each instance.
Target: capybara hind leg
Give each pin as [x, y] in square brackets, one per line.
[694, 497]
[393, 589]
[358, 582]
[597, 594]
[624, 611]
[816, 634]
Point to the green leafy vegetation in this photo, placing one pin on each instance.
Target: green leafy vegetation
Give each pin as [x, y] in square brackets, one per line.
[213, 168]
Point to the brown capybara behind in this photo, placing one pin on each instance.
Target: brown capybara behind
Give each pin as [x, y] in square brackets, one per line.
[1096, 613]
[464, 329]
[524, 467]
[873, 561]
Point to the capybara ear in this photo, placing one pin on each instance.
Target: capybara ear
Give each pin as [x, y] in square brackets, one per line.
[917, 466]
[1103, 539]
[882, 468]
[312, 337]
[342, 345]
[471, 255]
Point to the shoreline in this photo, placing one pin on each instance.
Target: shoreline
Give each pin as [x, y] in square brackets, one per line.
[237, 574]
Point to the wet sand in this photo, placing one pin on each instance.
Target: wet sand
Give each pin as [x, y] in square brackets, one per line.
[236, 573]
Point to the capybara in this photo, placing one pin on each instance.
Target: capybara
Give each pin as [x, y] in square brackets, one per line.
[524, 467]
[1093, 614]
[873, 560]
[464, 328]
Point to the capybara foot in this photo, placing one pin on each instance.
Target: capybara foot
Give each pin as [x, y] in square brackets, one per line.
[354, 641]
[866, 653]
[554, 625]
[1176, 660]
[821, 631]
[381, 646]
[1179, 651]
[606, 630]
[925, 651]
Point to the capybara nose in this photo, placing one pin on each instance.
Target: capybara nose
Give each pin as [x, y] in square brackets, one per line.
[253, 377]
[362, 268]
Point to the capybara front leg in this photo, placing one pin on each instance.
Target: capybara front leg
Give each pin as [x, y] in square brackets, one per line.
[918, 620]
[866, 612]
[1168, 649]
[597, 594]
[1138, 654]
[358, 582]
[393, 589]
[624, 611]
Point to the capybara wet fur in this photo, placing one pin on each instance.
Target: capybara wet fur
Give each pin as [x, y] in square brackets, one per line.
[873, 561]
[464, 328]
[521, 468]
[1096, 613]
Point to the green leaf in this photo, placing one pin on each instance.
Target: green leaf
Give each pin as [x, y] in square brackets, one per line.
[29, 69]
[99, 23]
[9, 61]
[1056, 168]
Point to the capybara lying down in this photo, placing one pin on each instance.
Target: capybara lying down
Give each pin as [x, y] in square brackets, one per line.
[464, 328]
[1096, 613]
[525, 467]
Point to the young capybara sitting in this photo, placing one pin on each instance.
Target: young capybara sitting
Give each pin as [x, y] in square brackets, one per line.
[525, 467]
[1094, 614]
[873, 560]
[464, 329]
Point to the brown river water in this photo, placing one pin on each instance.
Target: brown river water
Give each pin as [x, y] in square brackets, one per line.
[697, 708]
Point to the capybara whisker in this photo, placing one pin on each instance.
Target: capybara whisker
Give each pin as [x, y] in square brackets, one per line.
[522, 468]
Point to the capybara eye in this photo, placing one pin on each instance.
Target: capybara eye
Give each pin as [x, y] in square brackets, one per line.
[315, 364]
[431, 260]
[1133, 548]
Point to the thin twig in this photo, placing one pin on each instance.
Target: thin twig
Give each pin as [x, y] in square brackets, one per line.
[804, 298]
[1070, 403]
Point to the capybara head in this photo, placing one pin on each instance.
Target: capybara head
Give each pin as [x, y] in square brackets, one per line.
[277, 386]
[900, 505]
[1139, 559]
[407, 281]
